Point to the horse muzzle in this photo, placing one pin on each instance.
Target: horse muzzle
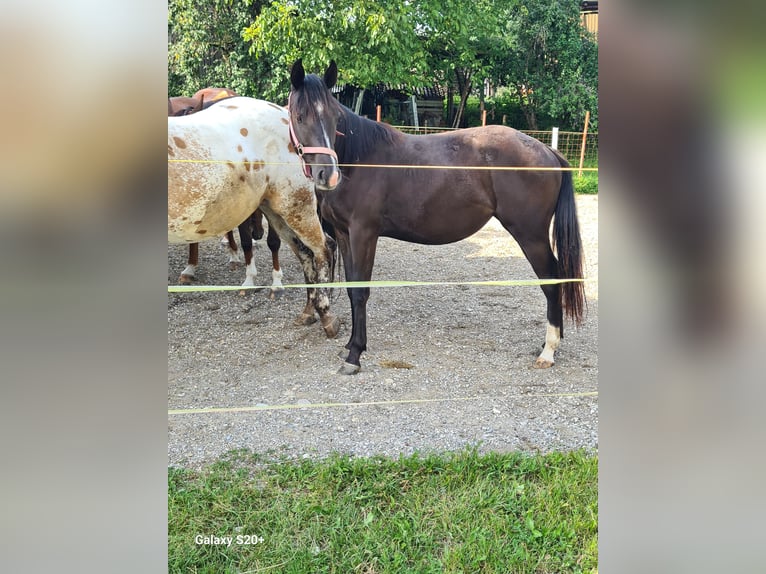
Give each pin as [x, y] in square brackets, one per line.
[327, 177]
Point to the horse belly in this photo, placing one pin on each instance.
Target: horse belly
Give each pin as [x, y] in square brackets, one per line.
[220, 166]
[445, 214]
[205, 205]
[436, 228]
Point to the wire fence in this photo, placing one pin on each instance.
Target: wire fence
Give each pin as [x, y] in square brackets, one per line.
[569, 143]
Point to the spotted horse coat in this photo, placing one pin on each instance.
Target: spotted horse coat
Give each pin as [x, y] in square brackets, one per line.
[225, 162]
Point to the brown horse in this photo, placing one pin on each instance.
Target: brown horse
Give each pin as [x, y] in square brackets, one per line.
[206, 95]
[435, 206]
[250, 229]
[181, 106]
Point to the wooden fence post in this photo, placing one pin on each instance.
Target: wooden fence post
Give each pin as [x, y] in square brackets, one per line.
[582, 148]
[555, 138]
[483, 118]
[377, 112]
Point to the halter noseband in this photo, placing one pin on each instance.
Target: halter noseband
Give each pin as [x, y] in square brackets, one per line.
[300, 149]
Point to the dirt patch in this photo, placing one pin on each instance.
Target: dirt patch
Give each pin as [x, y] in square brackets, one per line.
[446, 366]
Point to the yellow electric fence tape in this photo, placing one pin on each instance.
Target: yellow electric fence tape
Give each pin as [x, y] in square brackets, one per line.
[368, 404]
[352, 284]
[400, 166]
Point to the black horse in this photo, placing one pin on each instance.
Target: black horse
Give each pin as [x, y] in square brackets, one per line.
[379, 194]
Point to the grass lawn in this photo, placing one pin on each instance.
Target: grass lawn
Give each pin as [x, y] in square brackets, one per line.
[461, 512]
[588, 182]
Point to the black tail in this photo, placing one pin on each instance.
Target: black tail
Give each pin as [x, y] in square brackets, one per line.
[568, 246]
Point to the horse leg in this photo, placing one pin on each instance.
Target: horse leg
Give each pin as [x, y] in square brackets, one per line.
[187, 275]
[311, 250]
[274, 243]
[257, 220]
[316, 266]
[246, 238]
[359, 268]
[342, 243]
[539, 254]
[234, 257]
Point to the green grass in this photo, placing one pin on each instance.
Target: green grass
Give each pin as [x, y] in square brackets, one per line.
[588, 182]
[451, 513]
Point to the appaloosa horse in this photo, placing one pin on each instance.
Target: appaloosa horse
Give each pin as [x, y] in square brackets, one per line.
[250, 229]
[377, 197]
[226, 161]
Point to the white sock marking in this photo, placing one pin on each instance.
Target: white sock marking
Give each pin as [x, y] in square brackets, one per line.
[552, 340]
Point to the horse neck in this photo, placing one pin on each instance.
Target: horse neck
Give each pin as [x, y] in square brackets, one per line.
[361, 137]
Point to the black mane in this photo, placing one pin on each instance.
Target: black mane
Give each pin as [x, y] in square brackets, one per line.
[360, 135]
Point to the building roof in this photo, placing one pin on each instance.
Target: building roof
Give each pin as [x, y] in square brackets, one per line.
[399, 91]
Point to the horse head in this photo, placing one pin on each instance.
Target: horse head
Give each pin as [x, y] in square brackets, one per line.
[314, 115]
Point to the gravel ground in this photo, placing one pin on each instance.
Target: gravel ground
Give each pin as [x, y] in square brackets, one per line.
[466, 352]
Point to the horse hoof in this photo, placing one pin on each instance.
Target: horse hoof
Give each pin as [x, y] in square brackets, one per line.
[541, 363]
[304, 319]
[349, 369]
[186, 279]
[331, 329]
[275, 294]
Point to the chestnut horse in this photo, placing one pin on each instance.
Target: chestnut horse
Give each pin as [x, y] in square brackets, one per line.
[182, 106]
[376, 196]
[236, 156]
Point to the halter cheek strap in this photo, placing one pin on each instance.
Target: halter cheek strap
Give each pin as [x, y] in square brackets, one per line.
[300, 149]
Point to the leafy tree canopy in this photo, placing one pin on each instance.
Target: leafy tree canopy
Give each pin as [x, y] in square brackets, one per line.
[538, 48]
[549, 60]
[206, 48]
[373, 41]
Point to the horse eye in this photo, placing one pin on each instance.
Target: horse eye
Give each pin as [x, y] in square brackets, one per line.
[300, 118]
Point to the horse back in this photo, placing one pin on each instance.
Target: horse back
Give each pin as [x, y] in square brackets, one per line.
[425, 204]
[182, 106]
[211, 94]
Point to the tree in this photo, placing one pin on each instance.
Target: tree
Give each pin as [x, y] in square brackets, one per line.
[538, 48]
[549, 61]
[206, 47]
[458, 36]
[373, 41]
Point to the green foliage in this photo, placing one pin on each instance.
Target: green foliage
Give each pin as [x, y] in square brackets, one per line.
[505, 104]
[538, 48]
[372, 41]
[460, 512]
[457, 35]
[587, 183]
[206, 48]
[550, 61]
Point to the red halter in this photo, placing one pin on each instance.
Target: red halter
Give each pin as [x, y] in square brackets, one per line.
[300, 149]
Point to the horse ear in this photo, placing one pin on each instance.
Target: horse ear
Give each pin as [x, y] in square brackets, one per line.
[297, 74]
[331, 75]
